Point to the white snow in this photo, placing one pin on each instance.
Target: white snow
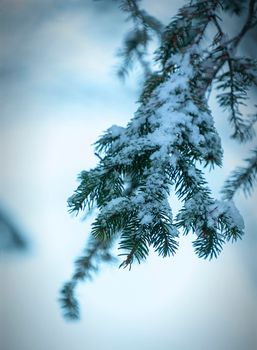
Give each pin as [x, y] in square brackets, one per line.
[172, 120]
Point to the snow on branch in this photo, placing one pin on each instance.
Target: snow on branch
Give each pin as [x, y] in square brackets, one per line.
[166, 144]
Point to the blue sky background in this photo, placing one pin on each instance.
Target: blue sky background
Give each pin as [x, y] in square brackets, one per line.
[58, 93]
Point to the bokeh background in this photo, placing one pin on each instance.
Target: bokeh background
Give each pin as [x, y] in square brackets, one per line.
[59, 92]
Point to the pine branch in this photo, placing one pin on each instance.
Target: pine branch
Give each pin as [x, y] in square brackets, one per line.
[135, 244]
[240, 77]
[139, 16]
[163, 238]
[96, 251]
[209, 244]
[242, 178]
[187, 28]
[251, 22]
[166, 144]
[136, 41]
[134, 49]
[225, 47]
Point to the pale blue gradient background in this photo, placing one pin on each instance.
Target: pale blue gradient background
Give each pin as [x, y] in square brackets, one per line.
[58, 94]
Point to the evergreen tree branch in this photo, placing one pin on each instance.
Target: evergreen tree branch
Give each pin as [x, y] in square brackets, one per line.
[251, 22]
[96, 251]
[135, 43]
[141, 17]
[166, 144]
[242, 178]
[213, 63]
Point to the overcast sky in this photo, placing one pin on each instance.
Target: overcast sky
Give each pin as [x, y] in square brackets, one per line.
[58, 93]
